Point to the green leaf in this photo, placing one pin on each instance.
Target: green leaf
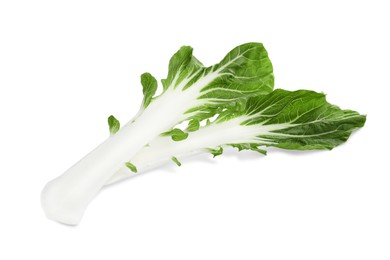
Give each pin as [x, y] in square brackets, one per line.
[248, 146]
[131, 167]
[233, 110]
[113, 124]
[149, 85]
[216, 152]
[300, 120]
[181, 66]
[176, 134]
[193, 125]
[175, 160]
[245, 71]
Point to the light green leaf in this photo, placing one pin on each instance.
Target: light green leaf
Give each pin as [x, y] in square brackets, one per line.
[216, 152]
[175, 160]
[193, 125]
[149, 85]
[113, 124]
[131, 167]
[246, 146]
[176, 134]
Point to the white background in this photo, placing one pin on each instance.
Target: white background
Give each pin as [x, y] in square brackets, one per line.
[66, 65]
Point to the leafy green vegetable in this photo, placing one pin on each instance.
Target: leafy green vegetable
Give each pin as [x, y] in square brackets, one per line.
[231, 103]
[191, 91]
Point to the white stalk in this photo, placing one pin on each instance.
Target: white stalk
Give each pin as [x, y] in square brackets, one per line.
[65, 198]
[162, 149]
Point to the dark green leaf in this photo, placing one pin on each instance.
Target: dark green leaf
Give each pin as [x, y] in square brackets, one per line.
[301, 120]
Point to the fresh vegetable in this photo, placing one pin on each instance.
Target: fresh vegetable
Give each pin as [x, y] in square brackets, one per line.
[191, 91]
[299, 120]
[228, 104]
